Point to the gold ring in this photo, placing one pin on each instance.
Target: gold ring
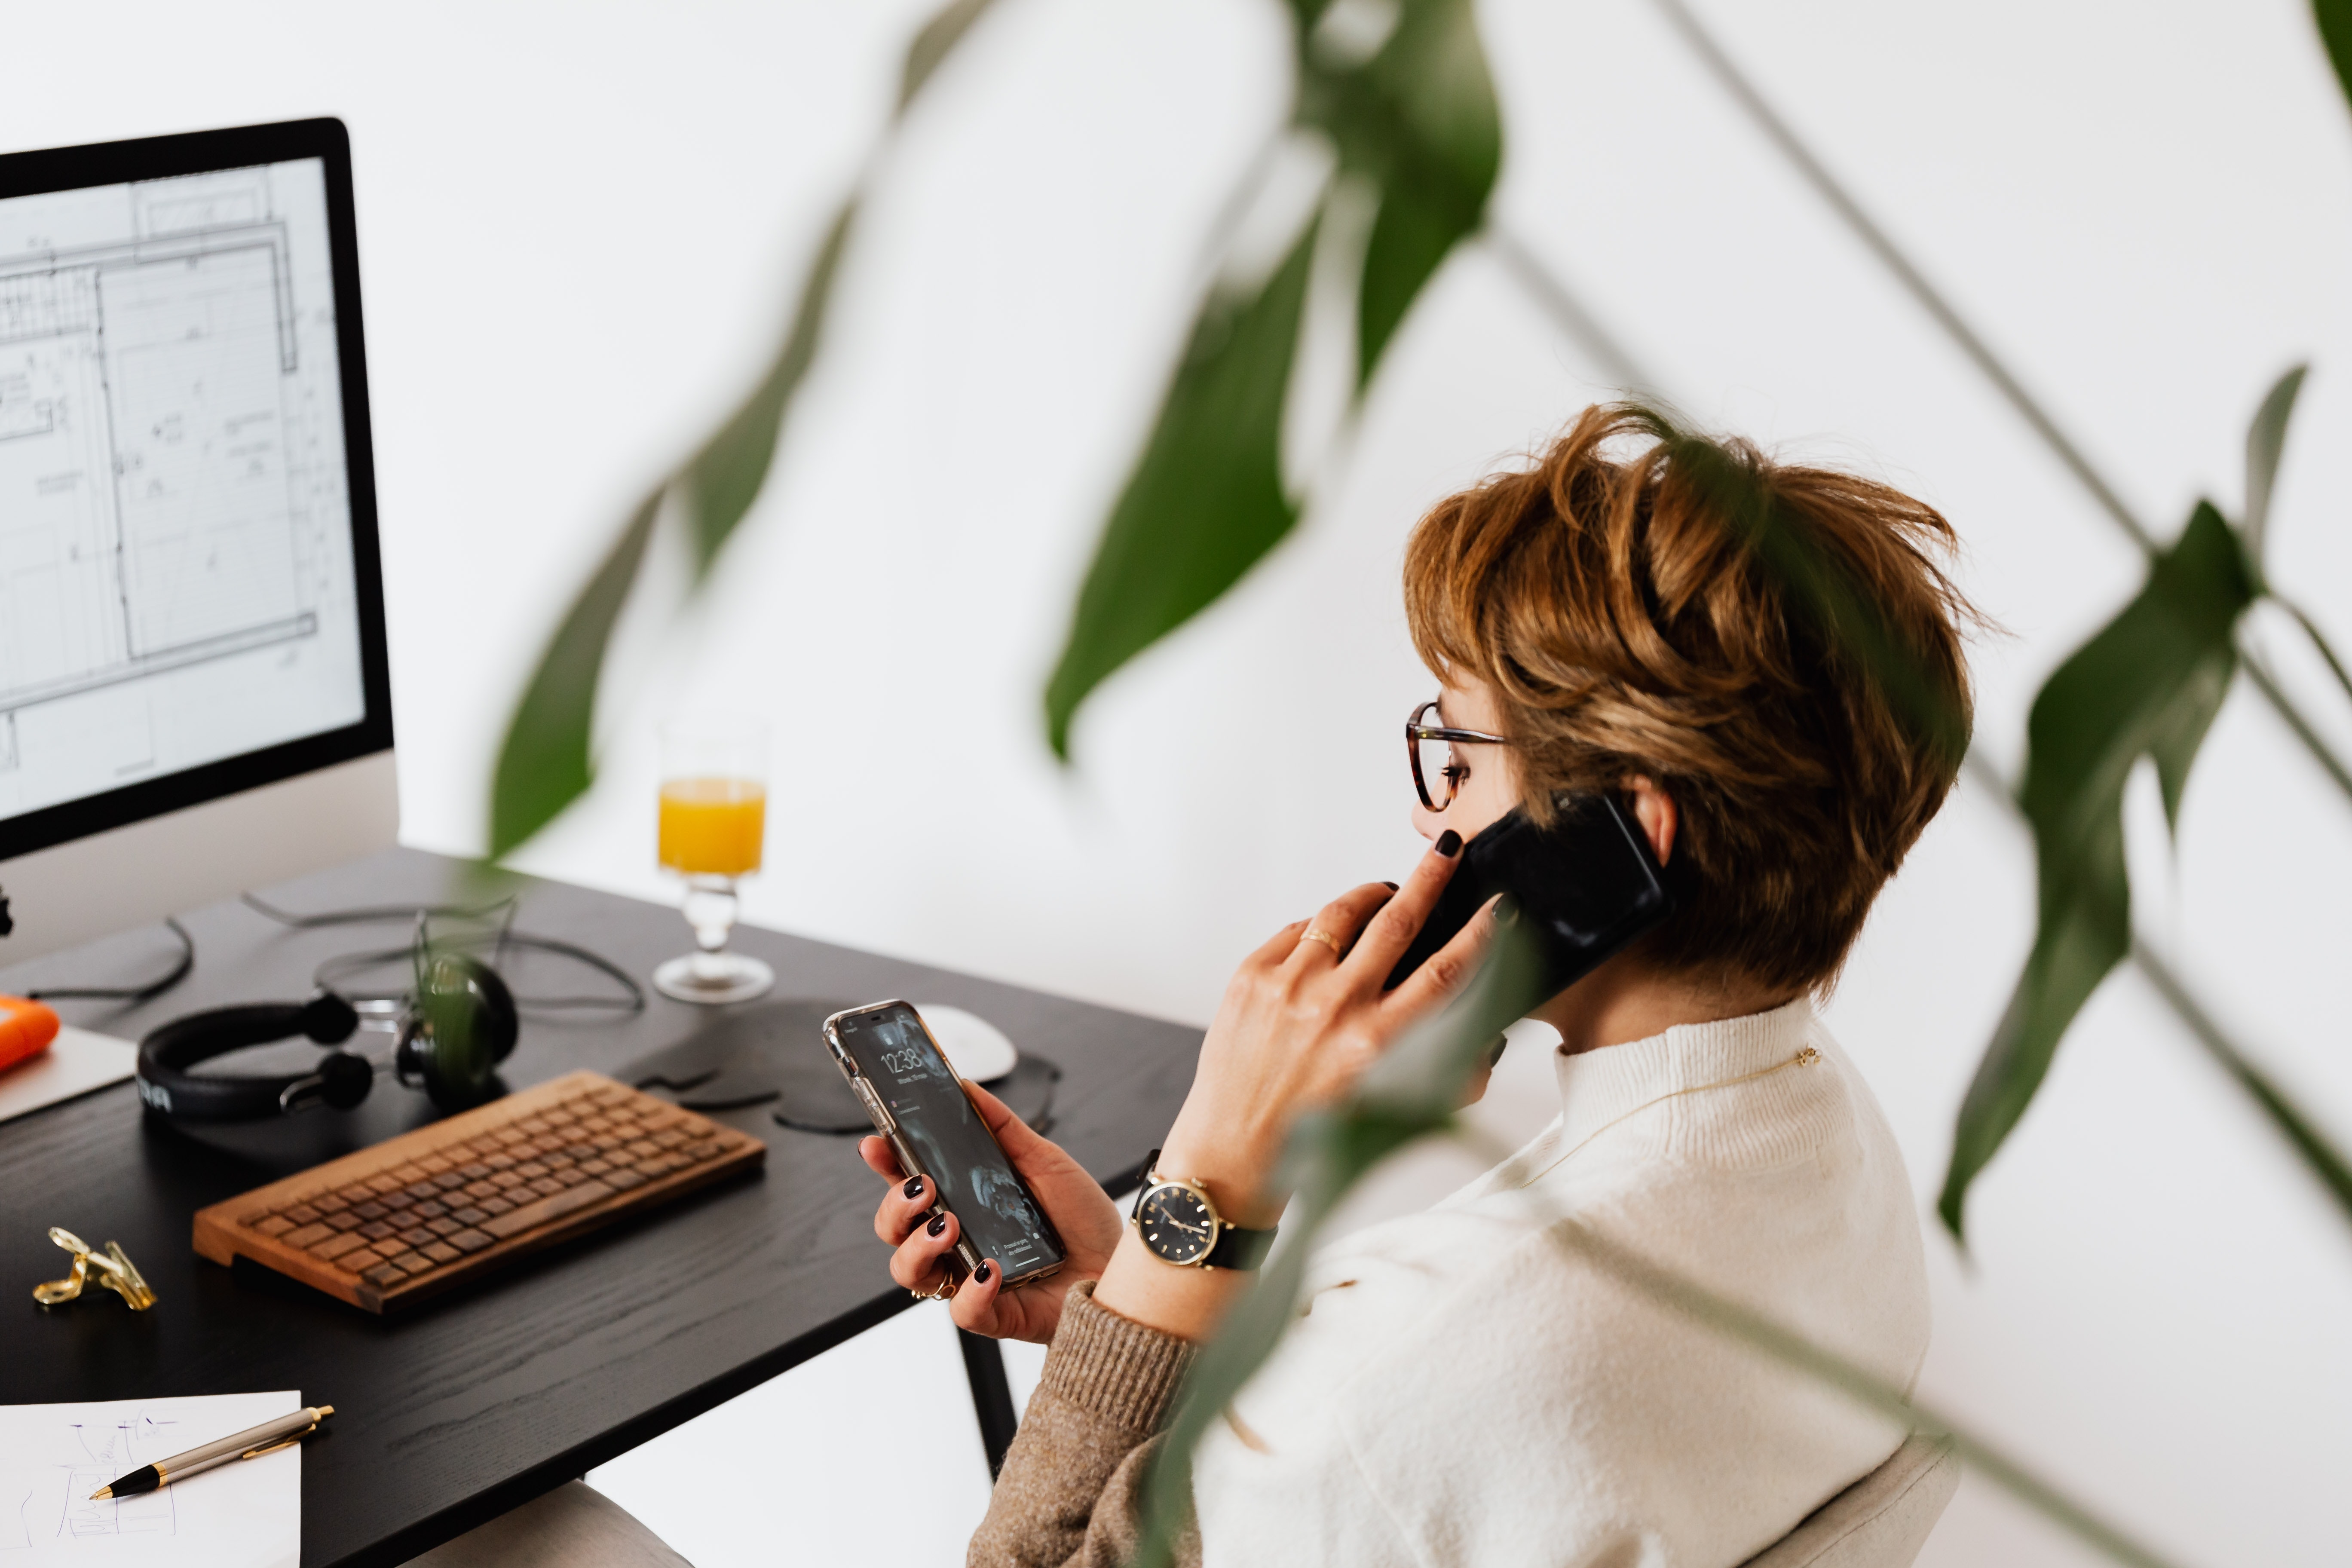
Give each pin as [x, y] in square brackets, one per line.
[940, 1292]
[1316, 934]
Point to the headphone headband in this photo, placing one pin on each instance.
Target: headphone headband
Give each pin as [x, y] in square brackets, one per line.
[166, 1054]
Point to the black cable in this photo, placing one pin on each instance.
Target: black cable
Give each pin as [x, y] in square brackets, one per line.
[376, 913]
[132, 995]
[353, 963]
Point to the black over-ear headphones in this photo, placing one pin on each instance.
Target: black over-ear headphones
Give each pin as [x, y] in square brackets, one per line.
[458, 1027]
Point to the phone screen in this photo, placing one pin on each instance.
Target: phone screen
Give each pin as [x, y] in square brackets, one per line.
[892, 1050]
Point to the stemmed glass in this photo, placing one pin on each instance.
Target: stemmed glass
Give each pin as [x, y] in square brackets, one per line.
[714, 818]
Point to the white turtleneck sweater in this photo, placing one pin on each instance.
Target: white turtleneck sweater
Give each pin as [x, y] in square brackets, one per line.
[1460, 1389]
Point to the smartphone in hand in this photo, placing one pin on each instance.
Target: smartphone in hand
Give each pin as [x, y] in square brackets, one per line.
[1585, 886]
[917, 1101]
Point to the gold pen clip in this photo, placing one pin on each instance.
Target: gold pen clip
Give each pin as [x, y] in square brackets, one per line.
[286, 1442]
[114, 1268]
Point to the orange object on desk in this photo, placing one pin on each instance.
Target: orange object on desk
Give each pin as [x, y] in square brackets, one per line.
[25, 1030]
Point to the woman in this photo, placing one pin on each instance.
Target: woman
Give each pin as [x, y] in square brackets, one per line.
[1643, 612]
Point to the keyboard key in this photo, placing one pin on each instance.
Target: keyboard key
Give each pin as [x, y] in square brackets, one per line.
[442, 1252]
[384, 1275]
[468, 1240]
[305, 1236]
[359, 1262]
[334, 1247]
[468, 1215]
[552, 1207]
[343, 1219]
[370, 1210]
[273, 1224]
[416, 1236]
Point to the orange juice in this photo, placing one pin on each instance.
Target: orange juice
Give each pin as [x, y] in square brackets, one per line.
[712, 826]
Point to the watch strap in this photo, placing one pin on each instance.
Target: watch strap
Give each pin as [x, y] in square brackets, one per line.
[1239, 1248]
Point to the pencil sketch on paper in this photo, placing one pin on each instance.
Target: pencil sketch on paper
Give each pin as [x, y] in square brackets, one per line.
[51, 1502]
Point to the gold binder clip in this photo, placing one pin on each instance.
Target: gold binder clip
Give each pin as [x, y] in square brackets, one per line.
[114, 1268]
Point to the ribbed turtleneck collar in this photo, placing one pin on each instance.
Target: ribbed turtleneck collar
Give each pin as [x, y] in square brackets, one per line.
[1598, 1087]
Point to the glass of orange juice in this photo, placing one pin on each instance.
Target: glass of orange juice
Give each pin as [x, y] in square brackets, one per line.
[714, 818]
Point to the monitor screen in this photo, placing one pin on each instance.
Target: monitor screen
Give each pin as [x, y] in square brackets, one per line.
[189, 589]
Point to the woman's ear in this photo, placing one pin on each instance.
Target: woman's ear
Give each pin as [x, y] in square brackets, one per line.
[1654, 808]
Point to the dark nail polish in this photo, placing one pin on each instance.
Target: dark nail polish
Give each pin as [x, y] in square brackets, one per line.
[939, 1224]
[914, 1187]
[1449, 844]
[983, 1272]
[1391, 887]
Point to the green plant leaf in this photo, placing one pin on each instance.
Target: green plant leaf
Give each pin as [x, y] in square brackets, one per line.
[2265, 440]
[1410, 1093]
[934, 43]
[1419, 119]
[2147, 684]
[722, 480]
[1416, 119]
[1205, 502]
[2334, 19]
[544, 763]
[545, 759]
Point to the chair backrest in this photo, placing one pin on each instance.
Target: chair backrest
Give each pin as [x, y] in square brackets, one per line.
[1881, 1520]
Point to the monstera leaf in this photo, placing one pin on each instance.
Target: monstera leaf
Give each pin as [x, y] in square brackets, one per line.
[2146, 686]
[1412, 117]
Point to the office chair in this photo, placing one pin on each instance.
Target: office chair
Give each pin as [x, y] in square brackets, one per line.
[1881, 1520]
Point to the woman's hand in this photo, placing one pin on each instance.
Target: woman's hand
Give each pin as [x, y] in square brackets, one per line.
[1081, 1211]
[1300, 1022]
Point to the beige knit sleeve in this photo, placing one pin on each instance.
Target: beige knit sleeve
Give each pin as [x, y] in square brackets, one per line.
[1071, 1493]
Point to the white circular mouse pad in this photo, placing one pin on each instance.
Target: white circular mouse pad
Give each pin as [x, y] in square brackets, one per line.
[977, 1048]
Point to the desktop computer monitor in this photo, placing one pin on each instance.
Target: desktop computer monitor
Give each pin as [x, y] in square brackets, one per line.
[194, 692]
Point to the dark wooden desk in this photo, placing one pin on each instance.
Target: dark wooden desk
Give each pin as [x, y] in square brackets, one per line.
[471, 1405]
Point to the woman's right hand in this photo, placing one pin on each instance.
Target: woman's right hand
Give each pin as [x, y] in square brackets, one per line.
[1080, 1210]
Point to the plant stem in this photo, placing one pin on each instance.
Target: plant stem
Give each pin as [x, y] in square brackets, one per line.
[1585, 329]
[1730, 1319]
[1876, 239]
[2325, 1161]
[2318, 639]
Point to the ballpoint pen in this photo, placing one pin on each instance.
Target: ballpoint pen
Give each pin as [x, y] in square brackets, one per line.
[251, 1444]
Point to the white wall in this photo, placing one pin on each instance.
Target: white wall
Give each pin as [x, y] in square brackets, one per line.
[580, 225]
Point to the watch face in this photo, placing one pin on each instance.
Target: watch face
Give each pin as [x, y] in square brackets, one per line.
[1176, 1224]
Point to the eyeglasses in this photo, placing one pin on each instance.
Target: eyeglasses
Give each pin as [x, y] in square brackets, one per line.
[1436, 773]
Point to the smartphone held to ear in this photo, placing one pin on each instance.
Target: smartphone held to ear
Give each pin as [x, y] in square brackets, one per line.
[916, 1099]
[1585, 887]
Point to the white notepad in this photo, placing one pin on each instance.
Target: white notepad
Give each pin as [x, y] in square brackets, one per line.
[246, 1514]
[76, 1062]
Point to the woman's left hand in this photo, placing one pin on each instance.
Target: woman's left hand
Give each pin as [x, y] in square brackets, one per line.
[1300, 1022]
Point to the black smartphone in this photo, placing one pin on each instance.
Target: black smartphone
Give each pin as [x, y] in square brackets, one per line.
[1585, 886]
[916, 1099]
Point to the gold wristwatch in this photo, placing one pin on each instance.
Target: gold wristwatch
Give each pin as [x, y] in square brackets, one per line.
[1179, 1223]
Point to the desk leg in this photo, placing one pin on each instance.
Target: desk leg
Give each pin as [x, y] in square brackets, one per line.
[992, 1396]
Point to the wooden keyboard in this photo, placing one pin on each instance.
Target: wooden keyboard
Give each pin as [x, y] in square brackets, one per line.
[455, 1199]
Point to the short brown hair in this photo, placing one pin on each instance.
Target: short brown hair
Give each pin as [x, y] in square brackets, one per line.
[1774, 645]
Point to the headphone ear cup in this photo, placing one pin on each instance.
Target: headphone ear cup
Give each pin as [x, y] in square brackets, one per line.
[344, 1079]
[462, 1026]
